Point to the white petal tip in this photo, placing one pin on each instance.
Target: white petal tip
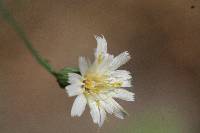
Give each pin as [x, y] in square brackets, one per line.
[132, 98]
[99, 37]
[78, 106]
[75, 115]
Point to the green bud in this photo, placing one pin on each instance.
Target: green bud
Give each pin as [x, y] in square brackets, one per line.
[62, 76]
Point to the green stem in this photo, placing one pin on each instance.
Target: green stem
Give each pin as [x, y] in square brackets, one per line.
[7, 16]
[62, 75]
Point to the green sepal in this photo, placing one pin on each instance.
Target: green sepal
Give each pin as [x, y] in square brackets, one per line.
[62, 76]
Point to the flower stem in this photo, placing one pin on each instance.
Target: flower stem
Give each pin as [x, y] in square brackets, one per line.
[7, 16]
[61, 75]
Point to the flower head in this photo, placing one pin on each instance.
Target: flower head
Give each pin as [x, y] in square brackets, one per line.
[99, 83]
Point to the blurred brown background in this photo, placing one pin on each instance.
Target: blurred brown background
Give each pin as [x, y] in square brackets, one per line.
[162, 37]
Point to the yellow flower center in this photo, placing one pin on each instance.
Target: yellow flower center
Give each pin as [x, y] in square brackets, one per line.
[93, 83]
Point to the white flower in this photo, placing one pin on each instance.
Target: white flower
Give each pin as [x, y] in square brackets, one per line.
[99, 83]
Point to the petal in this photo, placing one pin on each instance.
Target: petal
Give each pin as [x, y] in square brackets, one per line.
[97, 112]
[83, 65]
[120, 60]
[123, 94]
[117, 82]
[121, 74]
[78, 106]
[104, 65]
[102, 116]
[112, 107]
[74, 78]
[101, 46]
[118, 110]
[107, 106]
[74, 89]
[126, 83]
[94, 111]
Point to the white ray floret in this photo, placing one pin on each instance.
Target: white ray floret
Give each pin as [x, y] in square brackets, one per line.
[78, 105]
[100, 83]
